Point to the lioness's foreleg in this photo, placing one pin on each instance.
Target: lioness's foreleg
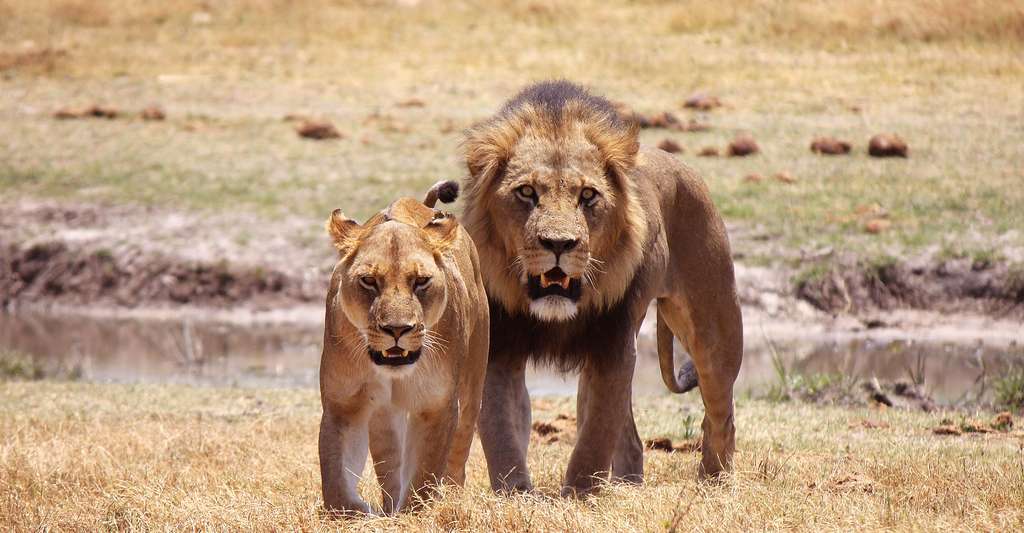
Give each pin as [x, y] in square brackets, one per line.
[714, 339]
[343, 449]
[470, 392]
[426, 452]
[387, 438]
[606, 391]
[505, 424]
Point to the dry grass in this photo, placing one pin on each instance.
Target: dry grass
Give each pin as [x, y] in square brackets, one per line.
[851, 23]
[77, 456]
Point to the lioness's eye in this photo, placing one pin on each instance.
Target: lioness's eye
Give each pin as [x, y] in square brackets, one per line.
[588, 196]
[527, 192]
[368, 282]
[421, 282]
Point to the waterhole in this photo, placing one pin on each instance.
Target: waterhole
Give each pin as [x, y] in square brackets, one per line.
[123, 350]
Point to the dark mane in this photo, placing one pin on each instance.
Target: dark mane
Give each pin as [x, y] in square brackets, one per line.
[554, 96]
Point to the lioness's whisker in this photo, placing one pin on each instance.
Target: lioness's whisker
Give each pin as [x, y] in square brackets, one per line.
[435, 339]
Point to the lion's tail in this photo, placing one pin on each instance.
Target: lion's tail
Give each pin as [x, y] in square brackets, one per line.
[686, 379]
[445, 190]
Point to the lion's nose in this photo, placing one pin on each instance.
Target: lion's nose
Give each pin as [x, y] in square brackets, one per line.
[559, 246]
[396, 330]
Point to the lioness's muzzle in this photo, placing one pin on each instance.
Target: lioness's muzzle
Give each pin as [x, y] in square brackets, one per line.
[554, 282]
[394, 356]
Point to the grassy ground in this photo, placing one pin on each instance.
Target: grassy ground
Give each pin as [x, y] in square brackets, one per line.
[79, 456]
[945, 75]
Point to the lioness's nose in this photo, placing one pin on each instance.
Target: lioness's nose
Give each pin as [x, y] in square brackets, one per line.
[559, 246]
[397, 330]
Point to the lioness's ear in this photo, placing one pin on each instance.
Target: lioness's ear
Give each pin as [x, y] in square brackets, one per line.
[343, 230]
[442, 231]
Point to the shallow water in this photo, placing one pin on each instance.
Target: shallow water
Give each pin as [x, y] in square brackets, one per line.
[287, 355]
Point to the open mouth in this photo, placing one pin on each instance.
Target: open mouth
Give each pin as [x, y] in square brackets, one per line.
[554, 282]
[394, 356]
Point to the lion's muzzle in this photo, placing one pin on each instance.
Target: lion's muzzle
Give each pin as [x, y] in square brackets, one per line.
[554, 282]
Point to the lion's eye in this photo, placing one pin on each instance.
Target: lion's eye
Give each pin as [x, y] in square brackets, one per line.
[588, 196]
[421, 283]
[368, 282]
[527, 193]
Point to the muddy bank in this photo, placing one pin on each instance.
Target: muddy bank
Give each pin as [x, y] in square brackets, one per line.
[59, 272]
[137, 257]
[954, 285]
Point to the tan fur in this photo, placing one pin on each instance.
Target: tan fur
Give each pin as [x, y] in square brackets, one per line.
[417, 420]
[653, 234]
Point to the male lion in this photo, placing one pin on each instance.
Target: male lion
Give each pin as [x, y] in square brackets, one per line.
[405, 344]
[578, 229]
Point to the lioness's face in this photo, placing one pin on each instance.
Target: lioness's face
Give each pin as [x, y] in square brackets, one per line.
[393, 292]
[557, 204]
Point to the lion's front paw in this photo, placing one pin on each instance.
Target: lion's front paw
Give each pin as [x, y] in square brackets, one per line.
[582, 488]
[348, 510]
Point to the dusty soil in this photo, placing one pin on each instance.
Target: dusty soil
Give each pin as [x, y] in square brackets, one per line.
[54, 271]
[952, 285]
[84, 255]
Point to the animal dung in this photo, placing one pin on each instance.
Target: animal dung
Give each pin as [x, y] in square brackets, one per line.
[887, 145]
[829, 146]
[708, 151]
[877, 225]
[152, 112]
[670, 146]
[92, 111]
[411, 102]
[660, 120]
[743, 145]
[785, 177]
[317, 129]
[702, 101]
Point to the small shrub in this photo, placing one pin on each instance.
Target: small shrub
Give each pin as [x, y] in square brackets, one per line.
[19, 366]
[1009, 389]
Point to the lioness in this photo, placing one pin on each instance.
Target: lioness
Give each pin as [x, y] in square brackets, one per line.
[578, 229]
[405, 348]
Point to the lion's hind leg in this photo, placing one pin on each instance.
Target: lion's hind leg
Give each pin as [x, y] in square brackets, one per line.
[714, 338]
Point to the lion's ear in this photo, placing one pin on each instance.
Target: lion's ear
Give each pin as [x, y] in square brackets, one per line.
[442, 231]
[343, 231]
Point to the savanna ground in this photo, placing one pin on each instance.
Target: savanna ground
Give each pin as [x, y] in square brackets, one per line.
[89, 457]
[225, 178]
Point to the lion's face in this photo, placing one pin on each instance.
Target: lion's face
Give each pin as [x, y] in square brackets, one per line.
[392, 288]
[553, 208]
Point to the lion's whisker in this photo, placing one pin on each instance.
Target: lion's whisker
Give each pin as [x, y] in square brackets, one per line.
[517, 264]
